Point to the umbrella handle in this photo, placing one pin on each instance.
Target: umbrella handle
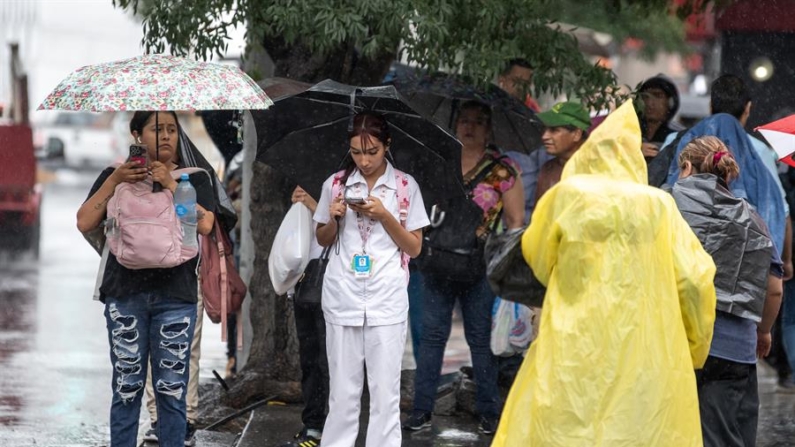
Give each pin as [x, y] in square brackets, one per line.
[437, 216]
[156, 186]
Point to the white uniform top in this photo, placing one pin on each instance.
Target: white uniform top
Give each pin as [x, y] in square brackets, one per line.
[381, 299]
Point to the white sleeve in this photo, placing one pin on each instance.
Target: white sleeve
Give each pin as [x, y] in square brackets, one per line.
[322, 215]
[417, 217]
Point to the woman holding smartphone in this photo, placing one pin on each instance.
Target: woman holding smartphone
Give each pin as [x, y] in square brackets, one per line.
[365, 297]
[150, 313]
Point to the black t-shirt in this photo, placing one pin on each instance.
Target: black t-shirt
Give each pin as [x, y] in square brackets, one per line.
[178, 282]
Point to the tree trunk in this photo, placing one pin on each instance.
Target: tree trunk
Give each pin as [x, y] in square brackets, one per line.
[273, 352]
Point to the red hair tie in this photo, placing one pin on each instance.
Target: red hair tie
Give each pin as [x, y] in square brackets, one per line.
[717, 156]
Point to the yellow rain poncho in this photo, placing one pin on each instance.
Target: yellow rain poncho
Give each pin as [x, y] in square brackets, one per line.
[628, 313]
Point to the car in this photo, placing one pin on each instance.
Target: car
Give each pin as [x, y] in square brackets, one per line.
[81, 139]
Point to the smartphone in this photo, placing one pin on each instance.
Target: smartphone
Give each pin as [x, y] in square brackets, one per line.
[355, 200]
[139, 154]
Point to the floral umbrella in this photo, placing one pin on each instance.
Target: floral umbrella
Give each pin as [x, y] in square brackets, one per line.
[156, 82]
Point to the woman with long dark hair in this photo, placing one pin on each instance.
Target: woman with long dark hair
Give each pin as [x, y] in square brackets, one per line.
[150, 312]
[372, 215]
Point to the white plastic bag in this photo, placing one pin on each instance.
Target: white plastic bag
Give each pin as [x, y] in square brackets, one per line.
[511, 328]
[522, 327]
[290, 251]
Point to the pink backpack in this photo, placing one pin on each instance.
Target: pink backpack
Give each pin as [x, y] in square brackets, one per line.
[144, 231]
[402, 182]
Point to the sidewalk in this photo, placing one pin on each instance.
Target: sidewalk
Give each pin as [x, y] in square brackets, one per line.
[272, 425]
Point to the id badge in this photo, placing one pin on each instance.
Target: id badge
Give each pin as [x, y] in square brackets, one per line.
[362, 266]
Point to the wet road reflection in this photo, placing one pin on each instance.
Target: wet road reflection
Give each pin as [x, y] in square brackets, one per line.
[53, 385]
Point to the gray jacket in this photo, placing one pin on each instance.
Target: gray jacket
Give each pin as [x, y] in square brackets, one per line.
[736, 238]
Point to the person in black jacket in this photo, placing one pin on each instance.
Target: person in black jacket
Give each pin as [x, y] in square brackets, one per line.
[660, 104]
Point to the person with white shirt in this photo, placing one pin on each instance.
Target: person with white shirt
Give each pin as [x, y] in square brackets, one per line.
[365, 297]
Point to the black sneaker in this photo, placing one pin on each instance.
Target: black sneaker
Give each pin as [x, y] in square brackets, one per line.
[190, 435]
[417, 421]
[487, 425]
[151, 434]
[302, 439]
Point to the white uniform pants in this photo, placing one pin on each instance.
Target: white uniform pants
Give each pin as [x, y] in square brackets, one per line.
[349, 349]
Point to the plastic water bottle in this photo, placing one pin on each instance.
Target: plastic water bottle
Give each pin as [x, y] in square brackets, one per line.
[185, 203]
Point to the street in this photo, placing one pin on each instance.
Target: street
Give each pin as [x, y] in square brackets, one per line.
[55, 372]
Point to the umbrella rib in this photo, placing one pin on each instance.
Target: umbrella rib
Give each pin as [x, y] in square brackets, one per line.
[409, 136]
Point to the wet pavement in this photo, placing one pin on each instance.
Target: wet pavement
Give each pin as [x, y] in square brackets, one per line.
[272, 425]
[55, 372]
[275, 424]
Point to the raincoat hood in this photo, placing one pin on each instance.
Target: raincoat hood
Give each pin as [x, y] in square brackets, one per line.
[663, 83]
[755, 183]
[736, 238]
[613, 150]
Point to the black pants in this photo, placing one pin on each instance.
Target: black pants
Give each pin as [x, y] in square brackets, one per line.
[311, 328]
[728, 399]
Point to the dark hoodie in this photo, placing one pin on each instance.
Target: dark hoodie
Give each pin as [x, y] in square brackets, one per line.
[666, 85]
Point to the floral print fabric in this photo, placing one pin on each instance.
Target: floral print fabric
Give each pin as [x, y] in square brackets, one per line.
[157, 82]
[488, 193]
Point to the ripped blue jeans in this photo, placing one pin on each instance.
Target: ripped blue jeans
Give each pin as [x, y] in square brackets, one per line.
[160, 329]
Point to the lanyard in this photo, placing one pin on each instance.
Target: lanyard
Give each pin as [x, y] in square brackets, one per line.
[366, 230]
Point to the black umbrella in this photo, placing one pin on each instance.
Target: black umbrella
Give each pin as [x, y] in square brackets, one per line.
[304, 136]
[514, 126]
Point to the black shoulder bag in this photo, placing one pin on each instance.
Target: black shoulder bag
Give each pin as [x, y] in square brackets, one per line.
[309, 289]
[451, 248]
[509, 275]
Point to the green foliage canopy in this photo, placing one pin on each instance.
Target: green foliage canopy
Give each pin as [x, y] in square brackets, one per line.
[472, 37]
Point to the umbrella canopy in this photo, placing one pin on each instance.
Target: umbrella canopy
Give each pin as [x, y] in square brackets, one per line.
[280, 88]
[781, 136]
[304, 136]
[159, 82]
[156, 82]
[514, 126]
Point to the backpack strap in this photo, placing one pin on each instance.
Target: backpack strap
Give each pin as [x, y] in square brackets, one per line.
[336, 185]
[402, 186]
[402, 182]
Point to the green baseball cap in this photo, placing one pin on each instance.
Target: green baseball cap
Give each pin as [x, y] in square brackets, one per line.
[566, 114]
